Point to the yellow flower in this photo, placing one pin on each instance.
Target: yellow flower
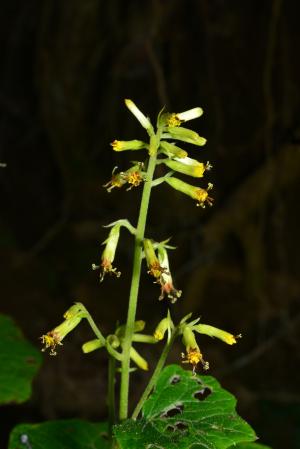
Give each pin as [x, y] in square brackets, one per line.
[54, 338]
[215, 332]
[134, 176]
[193, 354]
[108, 254]
[197, 193]
[50, 340]
[123, 145]
[155, 269]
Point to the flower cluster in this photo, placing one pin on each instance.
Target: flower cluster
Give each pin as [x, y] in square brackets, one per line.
[192, 354]
[164, 150]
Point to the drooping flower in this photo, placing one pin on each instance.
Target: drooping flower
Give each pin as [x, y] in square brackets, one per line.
[193, 354]
[108, 254]
[212, 331]
[155, 269]
[166, 280]
[197, 193]
[55, 337]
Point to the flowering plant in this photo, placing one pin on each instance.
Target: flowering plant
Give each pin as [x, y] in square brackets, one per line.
[178, 408]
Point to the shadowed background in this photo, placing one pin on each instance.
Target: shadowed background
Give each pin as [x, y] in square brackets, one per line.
[65, 69]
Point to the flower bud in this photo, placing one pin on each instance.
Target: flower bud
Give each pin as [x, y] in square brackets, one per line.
[215, 332]
[171, 150]
[166, 324]
[139, 326]
[91, 345]
[144, 121]
[138, 359]
[191, 114]
[186, 135]
[198, 194]
[187, 166]
[123, 145]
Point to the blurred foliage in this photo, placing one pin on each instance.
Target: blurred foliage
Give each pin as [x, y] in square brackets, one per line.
[19, 363]
[71, 433]
[65, 69]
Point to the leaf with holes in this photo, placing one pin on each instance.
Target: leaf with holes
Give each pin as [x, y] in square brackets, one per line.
[71, 433]
[19, 362]
[185, 411]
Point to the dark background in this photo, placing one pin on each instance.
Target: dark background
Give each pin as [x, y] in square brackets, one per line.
[66, 67]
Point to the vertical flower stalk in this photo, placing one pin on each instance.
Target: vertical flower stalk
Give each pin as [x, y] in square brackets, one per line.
[135, 280]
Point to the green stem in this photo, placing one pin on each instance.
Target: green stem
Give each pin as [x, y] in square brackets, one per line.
[111, 394]
[152, 382]
[135, 281]
[95, 328]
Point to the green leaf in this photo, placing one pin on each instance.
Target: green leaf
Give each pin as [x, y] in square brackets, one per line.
[19, 362]
[67, 434]
[185, 411]
[250, 446]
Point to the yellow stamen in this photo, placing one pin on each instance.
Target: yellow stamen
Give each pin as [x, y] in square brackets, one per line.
[134, 178]
[173, 121]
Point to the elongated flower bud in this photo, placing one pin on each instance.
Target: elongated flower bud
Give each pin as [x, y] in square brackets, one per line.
[187, 166]
[91, 346]
[215, 332]
[171, 150]
[124, 145]
[138, 359]
[190, 114]
[197, 193]
[186, 135]
[144, 121]
[139, 326]
[166, 324]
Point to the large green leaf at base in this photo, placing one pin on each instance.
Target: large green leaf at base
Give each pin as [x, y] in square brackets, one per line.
[67, 434]
[185, 411]
[19, 362]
